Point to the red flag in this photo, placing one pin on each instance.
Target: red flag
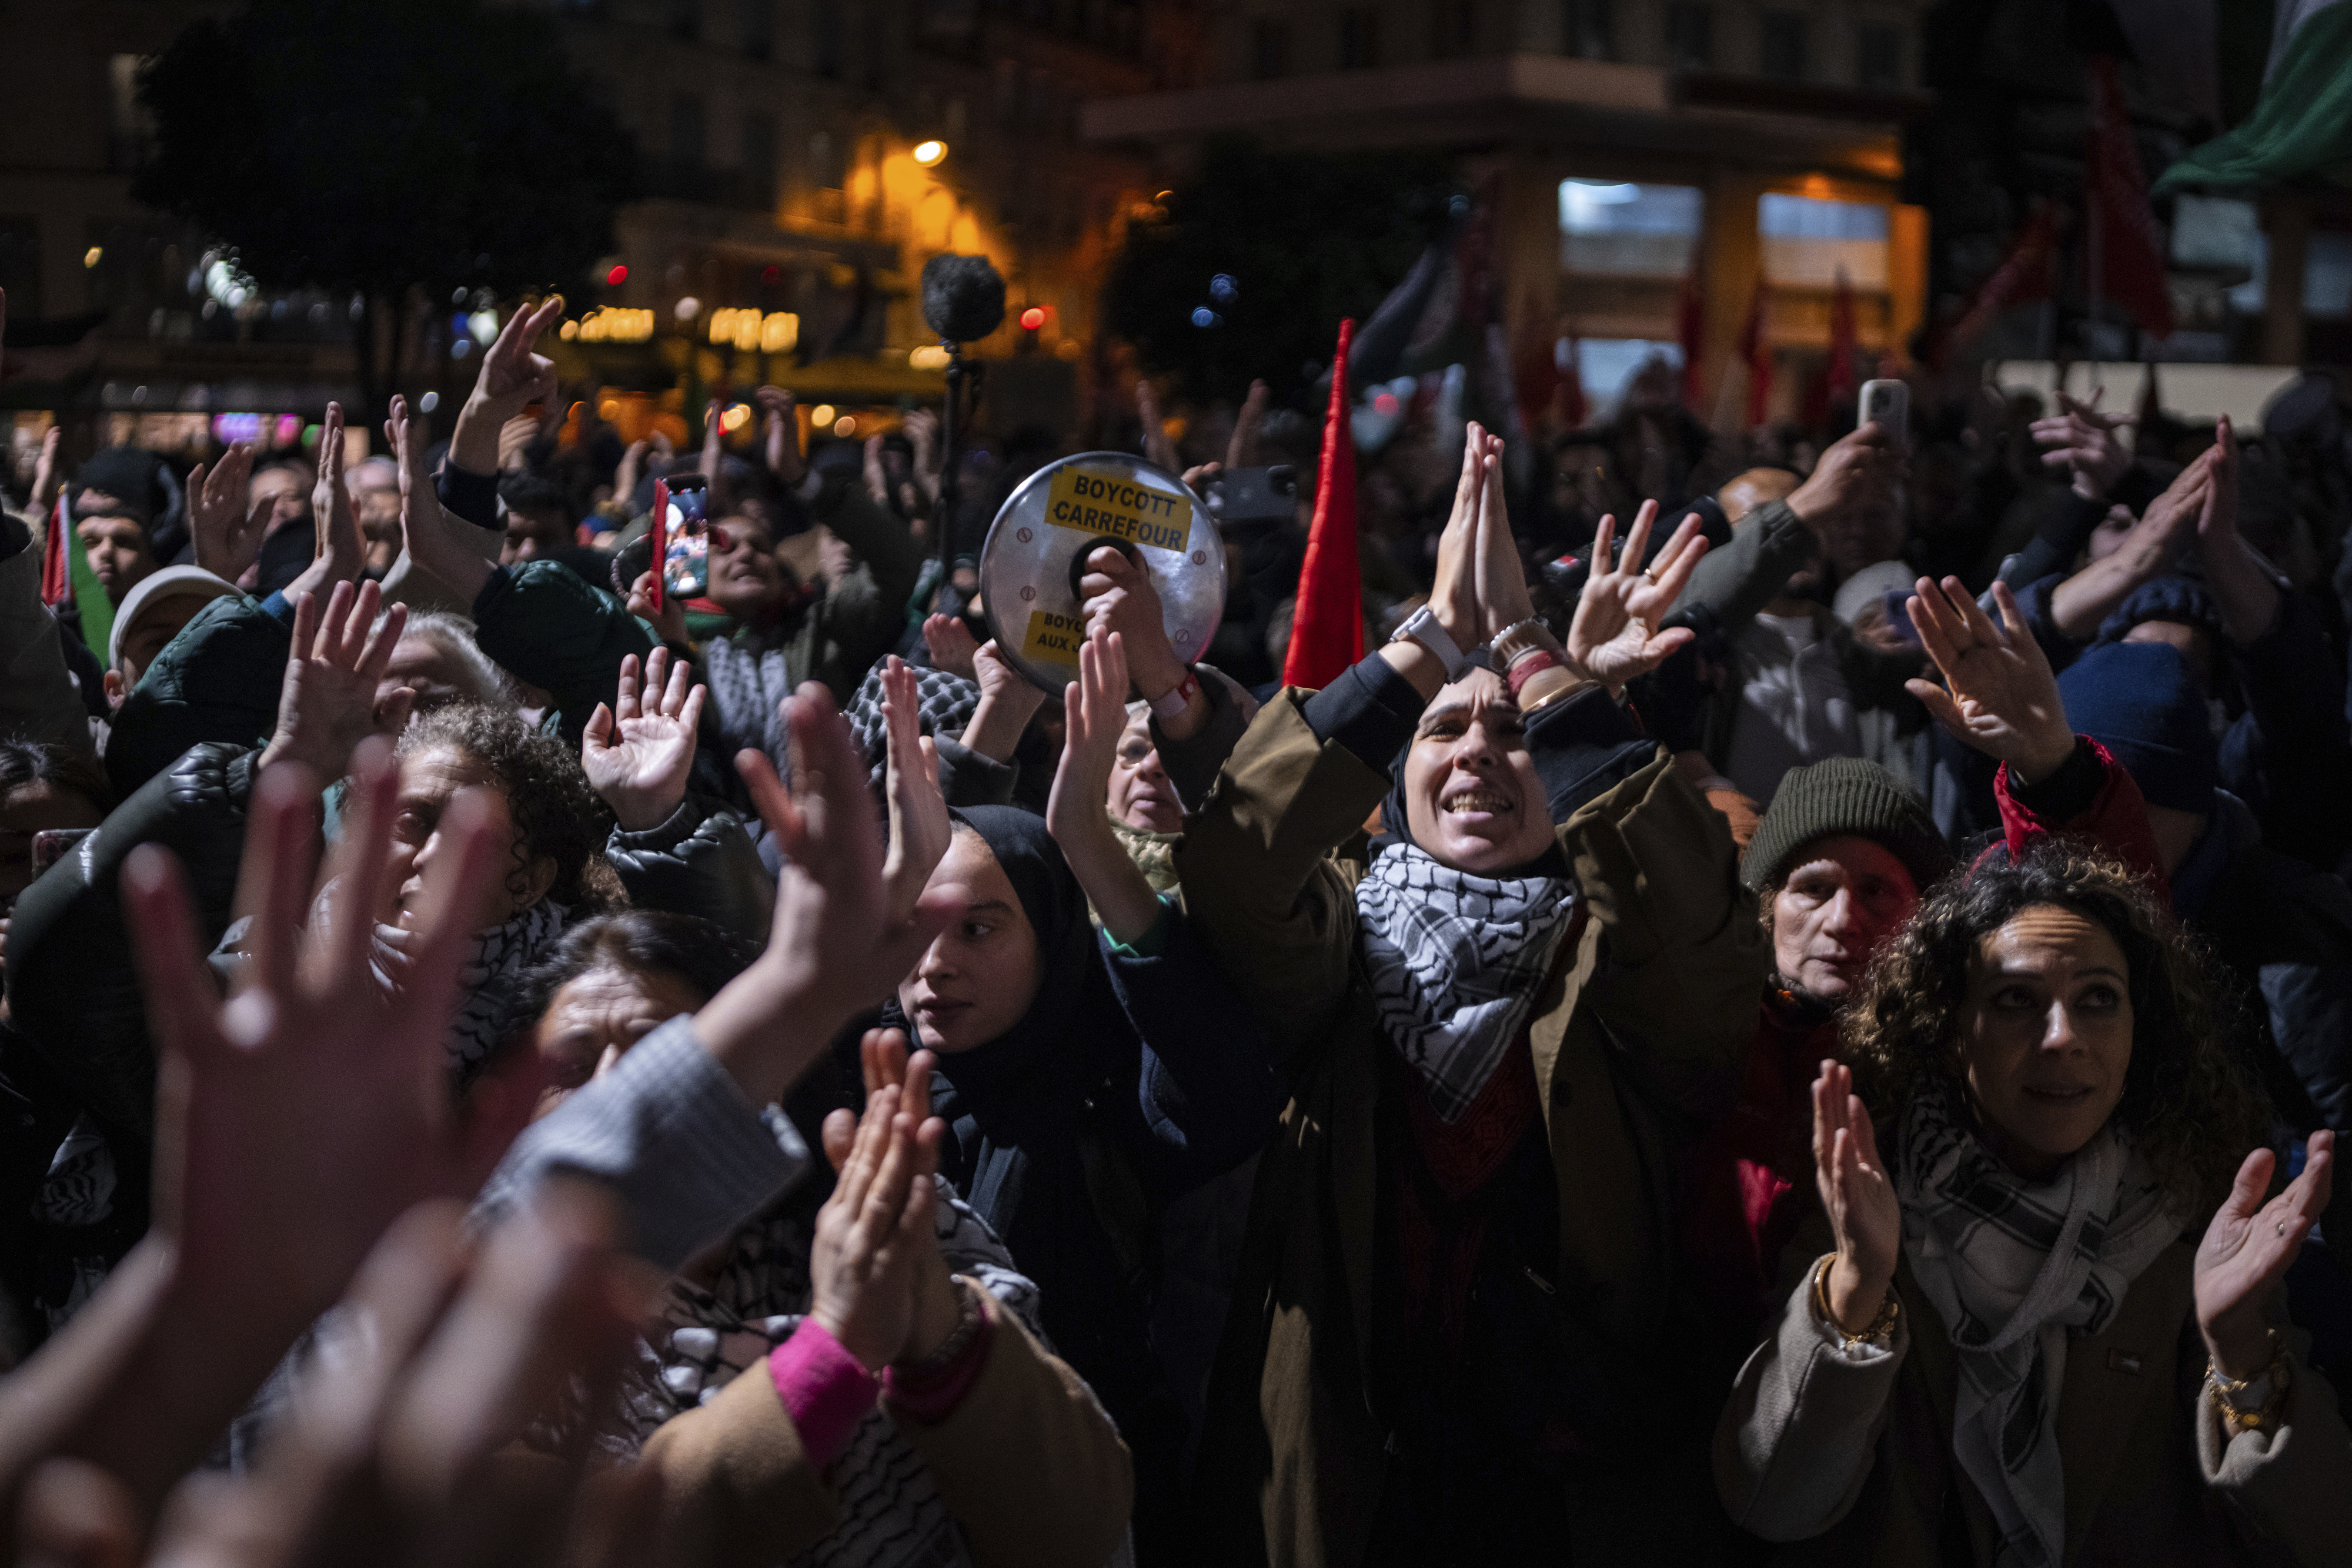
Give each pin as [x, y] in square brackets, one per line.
[1690, 330]
[57, 579]
[1758, 353]
[1842, 385]
[2130, 245]
[1326, 626]
[2023, 274]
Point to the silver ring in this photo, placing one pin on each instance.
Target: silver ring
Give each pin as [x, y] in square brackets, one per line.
[2281, 1229]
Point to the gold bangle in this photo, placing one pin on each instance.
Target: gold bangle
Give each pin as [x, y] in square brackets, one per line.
[2223, 1391]
[1880, 1328]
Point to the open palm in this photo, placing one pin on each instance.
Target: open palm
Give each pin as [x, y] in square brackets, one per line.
[638, 753]
[1614, 636]
[2002, 699]
[1857, 1193]
[2244, 1256]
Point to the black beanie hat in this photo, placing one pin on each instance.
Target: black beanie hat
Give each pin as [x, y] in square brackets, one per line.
[1844, 795]
[131, 480]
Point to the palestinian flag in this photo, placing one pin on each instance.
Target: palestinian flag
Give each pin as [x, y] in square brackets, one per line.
[2278, 75]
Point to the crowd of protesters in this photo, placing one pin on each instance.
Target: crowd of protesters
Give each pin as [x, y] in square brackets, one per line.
[1795, 1008]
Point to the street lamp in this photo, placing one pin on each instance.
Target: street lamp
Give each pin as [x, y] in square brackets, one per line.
[931, 153]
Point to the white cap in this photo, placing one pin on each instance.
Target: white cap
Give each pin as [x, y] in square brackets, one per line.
[172, 582]
[1872, 582]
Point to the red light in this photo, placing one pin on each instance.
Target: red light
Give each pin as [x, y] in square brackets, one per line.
[1033, 318]
[772, 275]
[1385, 404]
[618, 276]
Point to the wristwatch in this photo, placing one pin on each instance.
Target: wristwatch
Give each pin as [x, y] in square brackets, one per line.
[1422, 627]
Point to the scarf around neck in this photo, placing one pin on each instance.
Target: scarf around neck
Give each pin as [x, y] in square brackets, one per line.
[2016, 1270]
[1455, 959]
[486, 976]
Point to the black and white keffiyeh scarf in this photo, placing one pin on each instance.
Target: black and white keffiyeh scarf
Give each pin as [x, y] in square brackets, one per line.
[946, 701]
[2017, 1268]
[494, 960]
[1455, 959]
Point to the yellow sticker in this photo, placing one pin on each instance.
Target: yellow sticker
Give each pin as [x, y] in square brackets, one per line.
[1052, 638]
[1116, 506]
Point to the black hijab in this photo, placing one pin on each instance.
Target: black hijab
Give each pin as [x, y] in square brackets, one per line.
[1003, 1100]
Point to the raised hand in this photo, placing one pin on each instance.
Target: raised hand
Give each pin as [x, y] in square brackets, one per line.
[423, 526]
[1241, 452]
[1078, 813]
[1117, 594]
[1859, 470]
[952, 645]
[1501, 578]
[835, 947]
[714, 445]
[48, 477]
[878, 478]
[341, 552]
[1008, 701]
[919, 825]
[514, 377]
[872, 1232]
[226, 529]
[1613, 637]
[2244, 1260]
[1454, 602]
[2078, 436]
[1858, 1195]
[922, 428]
[2001, 697]
[783, 430]
[668, 622]
[883, 1057]
[328, 702]
[637, 753]
[1157, 447]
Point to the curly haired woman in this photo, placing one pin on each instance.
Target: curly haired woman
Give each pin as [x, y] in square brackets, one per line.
[2006, 1344]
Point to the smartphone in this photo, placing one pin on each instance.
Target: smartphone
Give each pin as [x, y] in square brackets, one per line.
[1888, 403]
[1249, 498]
[681, 538]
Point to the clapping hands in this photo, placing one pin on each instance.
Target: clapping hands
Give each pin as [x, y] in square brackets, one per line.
[331, 698]
[2078, 436]
[919, 825]
[638, 753]
[1858, 1195]
[2242, 1261]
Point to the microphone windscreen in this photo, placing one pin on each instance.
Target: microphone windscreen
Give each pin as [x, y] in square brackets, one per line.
[963, 297]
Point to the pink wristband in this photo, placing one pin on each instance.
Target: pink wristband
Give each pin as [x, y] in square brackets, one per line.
[826, 1390]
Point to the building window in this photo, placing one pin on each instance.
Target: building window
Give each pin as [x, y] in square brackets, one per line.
[1783, 54]
[686, 143]
[1878, 57]
[1808, 243]
[1615, 229]
[1270, 49]
[1360, 39]
[1452, 28]
[757, 22]
[1587, 30]
[1690, 35]
[760, 159]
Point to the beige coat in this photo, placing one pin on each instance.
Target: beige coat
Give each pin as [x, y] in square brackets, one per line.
[1850, 1463]
[1637, 1035]
[1033, 1470]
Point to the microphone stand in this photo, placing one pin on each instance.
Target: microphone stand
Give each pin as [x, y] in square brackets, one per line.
[950, 460]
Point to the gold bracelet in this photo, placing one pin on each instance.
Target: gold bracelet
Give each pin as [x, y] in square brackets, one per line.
[2223, 1391]
[1880, 1327]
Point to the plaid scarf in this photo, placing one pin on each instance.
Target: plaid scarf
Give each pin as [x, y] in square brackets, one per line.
[486, 977]
[1455, 960]
[2016, 1270]
[946, 703]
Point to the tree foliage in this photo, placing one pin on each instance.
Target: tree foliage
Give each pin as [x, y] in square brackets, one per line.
[377, 147]
[1306, 238]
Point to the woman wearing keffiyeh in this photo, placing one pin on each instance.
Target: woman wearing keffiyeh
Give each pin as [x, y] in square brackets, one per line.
[2003, 1341]
[1505, 1027]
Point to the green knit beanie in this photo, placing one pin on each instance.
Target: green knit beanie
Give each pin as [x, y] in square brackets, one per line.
[1844, 795]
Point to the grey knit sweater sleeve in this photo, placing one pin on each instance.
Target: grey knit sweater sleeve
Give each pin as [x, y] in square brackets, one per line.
[686, 1153]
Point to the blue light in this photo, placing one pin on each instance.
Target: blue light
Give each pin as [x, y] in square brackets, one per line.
[1204, 318]
[1224, 289]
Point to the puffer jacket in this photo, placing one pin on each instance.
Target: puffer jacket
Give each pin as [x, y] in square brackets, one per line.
[549, 626]
[218, 680]
[697, 861]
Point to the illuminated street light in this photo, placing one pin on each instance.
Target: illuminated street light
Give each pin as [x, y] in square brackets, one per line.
[930, 154]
